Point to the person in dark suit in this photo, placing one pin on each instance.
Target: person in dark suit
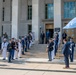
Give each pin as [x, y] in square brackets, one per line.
[42, 37]
[9, 48]
[50, 48]
[72, 45]
[66, 53]
[47, 36]
[0, 42]
[13, 47]
[23, 45]
[26, 43]
[64, 35]
[56, 42]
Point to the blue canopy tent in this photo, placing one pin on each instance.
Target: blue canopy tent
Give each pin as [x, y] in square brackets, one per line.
[71, 24]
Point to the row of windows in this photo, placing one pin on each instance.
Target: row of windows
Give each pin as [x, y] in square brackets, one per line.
[49, 11]
[3, 0]
[29, 12]
[69, 10]
[3, 14]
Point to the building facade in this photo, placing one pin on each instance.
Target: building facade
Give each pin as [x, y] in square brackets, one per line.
[19, 17]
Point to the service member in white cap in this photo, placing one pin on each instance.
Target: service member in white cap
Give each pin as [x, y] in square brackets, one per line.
[4, 49]
[19, 48]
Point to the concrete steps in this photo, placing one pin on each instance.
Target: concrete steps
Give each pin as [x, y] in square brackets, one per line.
[39, 51]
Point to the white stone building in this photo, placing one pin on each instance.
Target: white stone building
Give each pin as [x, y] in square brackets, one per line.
[18, 17]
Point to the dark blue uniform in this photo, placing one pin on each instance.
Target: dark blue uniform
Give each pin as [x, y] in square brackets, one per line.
[56, 43]
[47, 36]
[66, 53]
[50, 48]
[42, 38]
[64, 35]
[13, 49]
[72, 45]
[0, 43]
[9, 48]
[26, 43]
[23, 45]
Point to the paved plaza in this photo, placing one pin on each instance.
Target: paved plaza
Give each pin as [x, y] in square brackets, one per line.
[26, 20]
[35, 62]
[22, 67]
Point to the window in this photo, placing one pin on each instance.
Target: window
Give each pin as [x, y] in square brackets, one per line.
[3, 0]
[2, 30]
[11, 10]
[69, 9]
[49, 11]
[29, 28]
[29, 12]
[3, 14]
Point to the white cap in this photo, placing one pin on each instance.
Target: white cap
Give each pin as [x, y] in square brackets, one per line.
[5, 39]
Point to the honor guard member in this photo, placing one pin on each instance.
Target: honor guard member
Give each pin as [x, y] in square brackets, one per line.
[19, 48]
[56, 42]
[13, 48]
[47, 36]
[53, 51]
[16, 49]
[0, 42]
[72, 45]
[64, 35]
[4, 49]
[66, 53]
[26, 43]
[23, 45]
[42, 37]
[50, 49]
[9, 48]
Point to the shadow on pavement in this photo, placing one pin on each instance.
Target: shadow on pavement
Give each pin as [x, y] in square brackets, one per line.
[75, 69]
[14, 61]
[3, 65]
[63, 71]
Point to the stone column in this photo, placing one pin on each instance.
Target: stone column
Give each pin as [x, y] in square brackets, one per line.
[15, 18]
[35, 18]
[1, 4]
[57, 15]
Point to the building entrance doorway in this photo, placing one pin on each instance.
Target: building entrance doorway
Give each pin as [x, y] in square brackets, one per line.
[29, 28]
[50, 28]
[51, 32]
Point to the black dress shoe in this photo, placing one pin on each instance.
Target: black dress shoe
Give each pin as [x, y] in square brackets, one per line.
[13, 59]
[71, 61]
[9, 62]
[4, 59]
[20, 57]
[23, 54]
[66, 67]
[49, 60]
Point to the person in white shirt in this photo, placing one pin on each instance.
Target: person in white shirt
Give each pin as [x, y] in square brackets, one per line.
[16, 50]
[53, 52]
[4, 49]
[19, 48]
